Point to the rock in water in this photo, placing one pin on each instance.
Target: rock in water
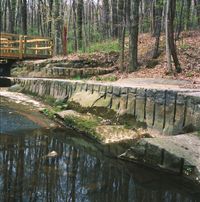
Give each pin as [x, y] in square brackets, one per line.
[52, 154]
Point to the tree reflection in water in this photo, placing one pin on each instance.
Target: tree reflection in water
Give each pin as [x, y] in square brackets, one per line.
[80, 172]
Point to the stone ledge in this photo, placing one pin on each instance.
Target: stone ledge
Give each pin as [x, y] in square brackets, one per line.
[167, 111]
[180, 154]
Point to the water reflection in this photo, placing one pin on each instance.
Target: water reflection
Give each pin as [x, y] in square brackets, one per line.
[78, 173]
[11, 121]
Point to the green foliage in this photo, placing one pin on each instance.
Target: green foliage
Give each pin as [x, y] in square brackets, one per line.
[146, 25]
[33, 31]
[70, 47]
[50, 100]
[104, 46]
[185, 46]
[190, 74]
[83, 124]
[49, 113]
[108, 78]
[78, 77]
[57, 105]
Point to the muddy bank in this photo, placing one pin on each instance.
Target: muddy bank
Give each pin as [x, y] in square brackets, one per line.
[26, 107]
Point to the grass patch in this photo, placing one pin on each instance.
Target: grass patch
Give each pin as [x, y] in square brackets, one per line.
[108, 78]
[49, 113]
[50, 100]
[190, 74]
[104, 46]
[78, 77]
[185, 46]
[86, 125]
[57, 105]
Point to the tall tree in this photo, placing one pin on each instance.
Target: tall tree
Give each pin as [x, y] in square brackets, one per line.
[80, 9]
[158, 20]
[114, 19]
[170, 44]
[24, 16]
[197, 6]
[133, 44]
[57, 28]
[49, 29]
[188, 11]
[180, 20]
[74, 26]
[122, 4]
[106, 18]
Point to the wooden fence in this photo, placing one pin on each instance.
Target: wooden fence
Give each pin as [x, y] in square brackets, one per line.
[13, 46]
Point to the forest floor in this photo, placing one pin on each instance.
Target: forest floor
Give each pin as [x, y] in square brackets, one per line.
[188, 49]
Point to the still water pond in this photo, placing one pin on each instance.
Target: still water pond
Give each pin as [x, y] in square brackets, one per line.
[82, 171]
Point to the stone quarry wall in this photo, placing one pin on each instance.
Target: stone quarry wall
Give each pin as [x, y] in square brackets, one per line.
[169, 112]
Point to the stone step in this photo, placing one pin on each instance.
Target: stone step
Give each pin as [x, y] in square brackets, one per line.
[73, 72]
[179, 154]
[77, 64]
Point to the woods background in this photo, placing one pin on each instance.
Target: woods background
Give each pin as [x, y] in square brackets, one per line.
[79, 23]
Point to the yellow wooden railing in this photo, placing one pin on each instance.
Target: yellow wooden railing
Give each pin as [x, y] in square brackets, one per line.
[13, 46]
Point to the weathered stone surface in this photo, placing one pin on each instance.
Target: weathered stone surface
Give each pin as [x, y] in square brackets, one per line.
[131, 104]
[16, 88]
[115, 103]
[85, 99]
[150, 107]
[140, 104]
[116, 91]
[168, 112]
[180, 154]
[192, 114]
[159, 110]
[103, 102]
[180, 112]
[123, 104]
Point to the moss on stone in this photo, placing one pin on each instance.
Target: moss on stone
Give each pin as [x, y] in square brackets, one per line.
[84, 124]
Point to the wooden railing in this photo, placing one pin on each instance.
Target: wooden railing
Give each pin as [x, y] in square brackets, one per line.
[13, 46]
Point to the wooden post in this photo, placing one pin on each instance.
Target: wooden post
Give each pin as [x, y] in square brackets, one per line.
[51, 44]
[36, 46]
[21, 47]
[25, 40]
[65, 40]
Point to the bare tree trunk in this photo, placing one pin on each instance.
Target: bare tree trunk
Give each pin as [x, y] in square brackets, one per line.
[170, 45]
[80, 23]
[133, 45]
[188, 8]
[11, 19]
[197, 6]
[74, 26]
[158, 20]
[180, 23]
[57, 29]
[153, 16]
[106, 18]
[122, 29]
[172, 40]
[49, 29]
[114, 19]
[24, 16]
[167, 30]
[1, 13]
